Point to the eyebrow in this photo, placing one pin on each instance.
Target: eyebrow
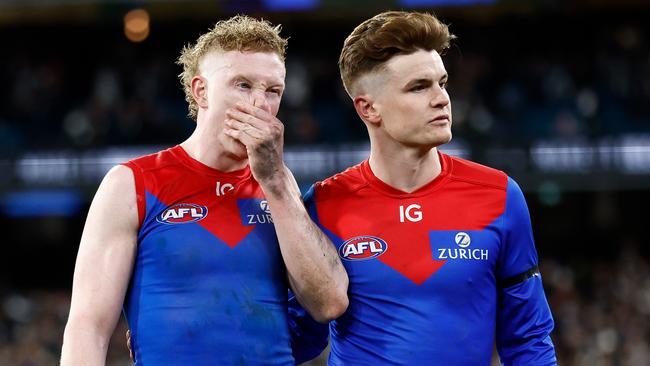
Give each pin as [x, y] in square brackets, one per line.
[249, 80]
[419, 81]
[425, 81]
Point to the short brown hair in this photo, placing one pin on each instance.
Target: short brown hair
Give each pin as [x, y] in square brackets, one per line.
[385, 35]
[239, 33]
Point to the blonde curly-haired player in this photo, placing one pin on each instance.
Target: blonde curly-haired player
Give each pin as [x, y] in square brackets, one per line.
[199, 242]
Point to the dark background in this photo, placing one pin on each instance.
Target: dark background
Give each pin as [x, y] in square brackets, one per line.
[555, 93]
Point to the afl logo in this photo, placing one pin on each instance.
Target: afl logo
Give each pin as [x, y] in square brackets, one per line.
[182, 213]
[463, 240]
[362, 247]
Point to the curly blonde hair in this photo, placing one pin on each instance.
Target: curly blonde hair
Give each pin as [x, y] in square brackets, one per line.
[376, 40]
[239, 33]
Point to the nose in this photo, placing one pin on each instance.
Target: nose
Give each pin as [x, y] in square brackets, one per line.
[258, 99]
[440, 97]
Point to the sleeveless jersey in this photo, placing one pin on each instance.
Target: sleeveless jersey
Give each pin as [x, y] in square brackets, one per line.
[209, 286]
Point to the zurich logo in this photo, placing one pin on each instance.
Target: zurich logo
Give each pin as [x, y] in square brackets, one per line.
[264, 205]
[182, 213]
[362, 247]
[462, 239]
[254, 211]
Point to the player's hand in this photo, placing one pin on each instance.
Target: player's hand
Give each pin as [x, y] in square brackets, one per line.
[128, 345]
[263, 135]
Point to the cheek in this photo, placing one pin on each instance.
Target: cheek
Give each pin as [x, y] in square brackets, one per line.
[404, 110]
[230, 96]
[274, 105]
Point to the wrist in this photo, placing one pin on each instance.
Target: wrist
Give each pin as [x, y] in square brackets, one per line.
[276, 184]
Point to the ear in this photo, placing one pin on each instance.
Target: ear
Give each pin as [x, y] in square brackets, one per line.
[200, 91]
[365, 107]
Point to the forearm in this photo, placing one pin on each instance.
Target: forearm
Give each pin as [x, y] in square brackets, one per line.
[83, 344]
[315, 272]
[524, 325]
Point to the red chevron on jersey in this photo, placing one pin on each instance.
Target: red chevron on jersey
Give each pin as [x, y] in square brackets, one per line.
[356, 203]
[207, 259]
[173, 177]
[223, 219]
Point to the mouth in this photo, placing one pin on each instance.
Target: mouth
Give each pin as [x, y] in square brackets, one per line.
[442, 119]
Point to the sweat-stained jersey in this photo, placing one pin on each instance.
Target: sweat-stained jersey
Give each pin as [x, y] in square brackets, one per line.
[209, 286]
[435, 274]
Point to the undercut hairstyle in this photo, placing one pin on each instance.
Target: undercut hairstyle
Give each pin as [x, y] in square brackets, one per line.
[378, 39]
[239, 33]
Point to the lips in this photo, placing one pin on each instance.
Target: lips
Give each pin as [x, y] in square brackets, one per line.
[441, 119]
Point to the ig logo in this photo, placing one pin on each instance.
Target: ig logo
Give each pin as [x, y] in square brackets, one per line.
[223, 188]
[411, 213]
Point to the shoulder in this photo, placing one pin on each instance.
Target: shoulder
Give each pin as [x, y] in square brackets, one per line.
[115, 202]
[118, 185]
[475, 173]
[155, 160]
[340, 184]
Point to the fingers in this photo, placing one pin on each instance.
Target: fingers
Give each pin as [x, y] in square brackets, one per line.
[246, 128]
[257, 112]
[128, 345]
[257, 124]
[244, 137]
[262, 135]
[249, 113]
[245, 118]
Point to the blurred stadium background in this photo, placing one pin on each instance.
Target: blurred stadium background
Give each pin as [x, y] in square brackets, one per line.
[556, 93]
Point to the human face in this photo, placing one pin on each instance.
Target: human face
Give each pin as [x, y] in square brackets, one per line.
[256, 78]
[412, 102]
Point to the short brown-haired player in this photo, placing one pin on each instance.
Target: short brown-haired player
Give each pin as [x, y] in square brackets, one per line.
[439, 250]
[194, 239]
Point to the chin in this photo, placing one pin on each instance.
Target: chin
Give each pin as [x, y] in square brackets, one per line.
[237, 149]
[448, 138]
[440, 139]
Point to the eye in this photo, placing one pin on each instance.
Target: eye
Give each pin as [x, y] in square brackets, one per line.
[444, 84]
[418, 87]
[277, 92]
[243, 85]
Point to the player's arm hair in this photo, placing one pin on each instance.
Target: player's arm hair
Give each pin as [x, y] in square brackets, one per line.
[316, 275]
[102, 271]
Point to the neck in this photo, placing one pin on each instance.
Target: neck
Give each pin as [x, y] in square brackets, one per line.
[207, 147]
[404, 169]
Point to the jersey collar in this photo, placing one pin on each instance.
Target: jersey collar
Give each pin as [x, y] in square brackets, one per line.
[379, 185]
[196, 165]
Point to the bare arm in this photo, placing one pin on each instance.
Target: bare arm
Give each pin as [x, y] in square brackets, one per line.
[315, 272]
[104, 264]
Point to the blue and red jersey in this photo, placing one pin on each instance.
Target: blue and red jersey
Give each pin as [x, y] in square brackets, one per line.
[209, 285]
[438, 275]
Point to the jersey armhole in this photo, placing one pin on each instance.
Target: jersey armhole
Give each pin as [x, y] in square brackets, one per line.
[139, 190]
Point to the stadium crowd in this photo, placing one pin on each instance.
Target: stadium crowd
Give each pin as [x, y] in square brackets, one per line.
[565, 82]
[601, 310]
